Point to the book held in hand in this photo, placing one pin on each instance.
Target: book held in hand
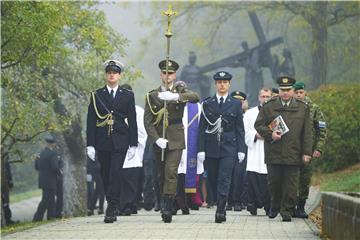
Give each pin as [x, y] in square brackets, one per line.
[278, 124]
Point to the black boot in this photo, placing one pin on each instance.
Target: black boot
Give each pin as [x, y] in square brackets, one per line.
[252, 209]
[300, 209]
[220, 215]
[110, 213]
[167, 213]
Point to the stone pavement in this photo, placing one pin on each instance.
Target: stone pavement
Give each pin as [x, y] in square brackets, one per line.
[198, 225]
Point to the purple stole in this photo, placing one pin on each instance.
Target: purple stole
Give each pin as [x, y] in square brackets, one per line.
[191, 147]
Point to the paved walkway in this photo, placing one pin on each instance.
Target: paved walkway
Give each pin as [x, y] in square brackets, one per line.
[198, 225]
[24, 211]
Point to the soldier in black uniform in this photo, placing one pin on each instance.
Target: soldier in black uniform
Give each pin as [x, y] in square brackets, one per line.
[221, 138]
[109, 134]
[48, 166]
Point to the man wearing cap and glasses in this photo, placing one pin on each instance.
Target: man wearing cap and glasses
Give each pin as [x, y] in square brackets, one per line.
[111, 132]
[176, 95]
[287, 151]
[221, 138]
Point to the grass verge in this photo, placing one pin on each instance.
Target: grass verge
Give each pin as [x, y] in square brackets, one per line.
[17, 197]
[22, 226]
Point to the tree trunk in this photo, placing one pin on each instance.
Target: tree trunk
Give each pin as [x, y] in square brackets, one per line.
[74, 166]
[319, 45]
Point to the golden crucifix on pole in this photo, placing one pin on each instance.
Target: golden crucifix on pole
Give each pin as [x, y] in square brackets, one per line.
[169, 13]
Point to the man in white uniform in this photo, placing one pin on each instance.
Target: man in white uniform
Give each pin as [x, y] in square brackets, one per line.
[258, 193]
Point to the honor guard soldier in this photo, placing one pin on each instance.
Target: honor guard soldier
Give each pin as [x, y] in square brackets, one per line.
[221, 140]
[285, 151]
[176, 96]
[111, 132]
[319, 135]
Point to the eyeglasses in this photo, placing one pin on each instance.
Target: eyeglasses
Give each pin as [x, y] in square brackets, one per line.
[265, 96]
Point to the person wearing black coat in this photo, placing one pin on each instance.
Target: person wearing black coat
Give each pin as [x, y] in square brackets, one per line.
[111, 133]
[47, 164]
[221, 140]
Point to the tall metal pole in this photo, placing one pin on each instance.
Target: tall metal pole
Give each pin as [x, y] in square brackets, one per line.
[168, 34]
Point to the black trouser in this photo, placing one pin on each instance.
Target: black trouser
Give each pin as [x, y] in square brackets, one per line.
[47, 204]
[258, 193]
[59, 197]
[150, 180]
[283, 187]
[130, 186]
[219, 175]
[239, 184]
[111, 163]
[98, 192]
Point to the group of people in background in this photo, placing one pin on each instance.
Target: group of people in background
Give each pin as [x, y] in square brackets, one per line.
[180, 153]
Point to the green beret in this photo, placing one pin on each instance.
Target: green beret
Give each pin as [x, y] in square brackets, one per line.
[299, 85]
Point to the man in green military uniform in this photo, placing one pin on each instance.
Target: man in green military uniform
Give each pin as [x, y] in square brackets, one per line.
[319, 134]
[176, 96]
[285, 125]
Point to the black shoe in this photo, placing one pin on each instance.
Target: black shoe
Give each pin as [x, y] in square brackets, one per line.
[229, 207]
[127, 211]
[90, 212]
[134, 209]
[167, 209]
[110, 214]
[220, 217]
[273, 213]
[252, 209]
[243, 206]
[300, 210]
[286, 218]
[237, 208]
[101, 211]
[185, 211]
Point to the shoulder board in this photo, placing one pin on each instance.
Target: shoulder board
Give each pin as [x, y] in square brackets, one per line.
[298, 100]
[127, 91]
[206, 99]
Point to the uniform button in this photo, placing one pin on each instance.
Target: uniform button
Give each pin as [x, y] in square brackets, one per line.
[112, 111]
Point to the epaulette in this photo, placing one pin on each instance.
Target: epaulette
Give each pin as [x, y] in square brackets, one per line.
[206, 99]
[127, 90]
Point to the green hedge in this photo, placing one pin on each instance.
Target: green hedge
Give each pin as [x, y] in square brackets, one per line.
[341, 107]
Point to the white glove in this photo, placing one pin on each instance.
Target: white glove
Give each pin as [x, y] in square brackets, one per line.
[241, 157]
[90, 151]
[161, 142]
[88, 177]
[201, 157]
[131, 153]
[168, 96]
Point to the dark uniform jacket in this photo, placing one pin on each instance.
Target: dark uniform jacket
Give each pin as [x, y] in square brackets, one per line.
[293, 144]
[232, 139]
[175, 131]
[48, 166]
[122, 107]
